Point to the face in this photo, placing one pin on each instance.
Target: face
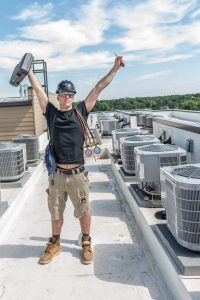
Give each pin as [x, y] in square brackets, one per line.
[65, 99]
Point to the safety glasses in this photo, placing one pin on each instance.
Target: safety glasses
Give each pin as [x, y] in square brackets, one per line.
[65, 95]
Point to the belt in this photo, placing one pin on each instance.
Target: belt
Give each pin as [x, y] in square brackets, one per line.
[70, 171]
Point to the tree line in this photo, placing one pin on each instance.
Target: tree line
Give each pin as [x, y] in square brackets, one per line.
[188, 102]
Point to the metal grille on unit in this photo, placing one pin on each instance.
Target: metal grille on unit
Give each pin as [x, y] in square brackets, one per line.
[109, 125]
[144, 119]
[181, 198]
[127, 146]
[120, 133]
[139, 120]
[102, 116]
[32, 147]
[12, 161]
[149, 121]
[150, 158]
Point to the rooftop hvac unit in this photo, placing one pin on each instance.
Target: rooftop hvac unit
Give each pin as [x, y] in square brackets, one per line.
[32, 147]
[149, 160]
[12, 161]
[103, 117]
[127, 146]
[144, 119]
[107, 126]
[149, 122]
[180, 195]
[139, 120]
[120, 133]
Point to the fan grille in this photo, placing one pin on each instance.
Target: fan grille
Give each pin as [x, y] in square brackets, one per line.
[160, 148]
[188, 171]
[139, 138]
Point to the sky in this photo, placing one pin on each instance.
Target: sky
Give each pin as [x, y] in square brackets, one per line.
[159, 40]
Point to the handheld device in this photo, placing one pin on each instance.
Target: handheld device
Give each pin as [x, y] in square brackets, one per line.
[21, 70]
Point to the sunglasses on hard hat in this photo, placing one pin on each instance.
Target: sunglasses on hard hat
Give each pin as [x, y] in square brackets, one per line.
[65, 95]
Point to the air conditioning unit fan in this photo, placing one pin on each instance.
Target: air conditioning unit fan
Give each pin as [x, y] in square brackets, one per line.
[12, 161]
[149, 160]
[127, 146]
[120, 133]
[180, 196]
[32, 146]
[107, 126]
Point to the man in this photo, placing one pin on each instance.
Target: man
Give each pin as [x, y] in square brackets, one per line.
[69, 178]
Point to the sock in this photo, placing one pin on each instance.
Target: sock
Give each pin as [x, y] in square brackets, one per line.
[55, 238]
[86, 237]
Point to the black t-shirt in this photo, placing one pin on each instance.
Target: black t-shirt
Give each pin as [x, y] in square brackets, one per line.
[68, 136]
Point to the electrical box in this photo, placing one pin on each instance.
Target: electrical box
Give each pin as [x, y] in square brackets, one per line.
[189, 145]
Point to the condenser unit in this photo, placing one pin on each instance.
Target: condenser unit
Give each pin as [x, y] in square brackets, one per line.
[107, 126]
[120, 133]
[101, 118]
[32, 147]
[149, 122]
[149, 160]
[12, 161]
[127, 146]
[139, 119]
[180, 195]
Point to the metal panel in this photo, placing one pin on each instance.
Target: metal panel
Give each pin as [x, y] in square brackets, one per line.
[12, 161]
[32, 147]
[182, 203]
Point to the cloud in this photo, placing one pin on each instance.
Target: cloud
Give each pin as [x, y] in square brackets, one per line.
[160, 74]
[90, 81]
[66, 35]
[60, 42]
[196, 13]
[34, 12]
[149, 29]
[153, 25]
[164, 59]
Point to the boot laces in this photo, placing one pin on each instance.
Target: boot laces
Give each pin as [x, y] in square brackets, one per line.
[49, 247]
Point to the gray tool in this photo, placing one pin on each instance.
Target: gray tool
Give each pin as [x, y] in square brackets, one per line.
[21, 69]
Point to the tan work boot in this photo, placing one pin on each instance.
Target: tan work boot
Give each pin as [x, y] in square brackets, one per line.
[51, 251]
[87, 252]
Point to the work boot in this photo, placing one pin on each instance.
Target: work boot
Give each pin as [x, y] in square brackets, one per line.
[87, 252]
[51, 251]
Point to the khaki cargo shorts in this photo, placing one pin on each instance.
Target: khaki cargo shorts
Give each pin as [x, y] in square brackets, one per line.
[60, 187]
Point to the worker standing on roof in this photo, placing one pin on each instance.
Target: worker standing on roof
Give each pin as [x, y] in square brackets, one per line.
[69, 178]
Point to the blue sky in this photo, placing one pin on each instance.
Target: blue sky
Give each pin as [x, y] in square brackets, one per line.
[159, 39]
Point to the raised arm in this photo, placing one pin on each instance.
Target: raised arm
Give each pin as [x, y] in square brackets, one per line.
[41, 95]
[104, 82]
